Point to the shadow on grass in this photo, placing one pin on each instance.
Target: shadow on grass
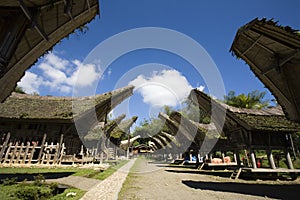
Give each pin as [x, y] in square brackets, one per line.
[264, 190]
[30, 177]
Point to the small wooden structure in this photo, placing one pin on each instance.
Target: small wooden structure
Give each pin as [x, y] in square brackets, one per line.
[251, 130]
[273, 54]
[27, 118]
[29, 28]
[141, 149]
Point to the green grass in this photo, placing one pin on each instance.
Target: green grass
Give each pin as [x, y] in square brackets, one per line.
[10, 190]
[106, 173]
[90, 173]
[35, 170]
[32, 192]
[63, 196]
[130, 179]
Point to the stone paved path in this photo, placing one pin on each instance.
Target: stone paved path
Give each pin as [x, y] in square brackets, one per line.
[77, 182]
[109, 188]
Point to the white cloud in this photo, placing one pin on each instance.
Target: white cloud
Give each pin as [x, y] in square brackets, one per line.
[201, 88]
[85, 75]
[168, 87]
[30, 83]
[60, 75]
[57, 62]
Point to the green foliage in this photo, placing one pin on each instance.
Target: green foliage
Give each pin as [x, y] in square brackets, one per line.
[254, 99]
[106, 173]
[149, 128]
[39, 180]
[9, 181]
[194, 113]
[30, 192]
[20, 90]
[167, 110]
[135, 143]
[66, 194]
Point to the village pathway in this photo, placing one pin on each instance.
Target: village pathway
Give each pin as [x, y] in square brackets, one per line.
[153, 181]
[109, 188]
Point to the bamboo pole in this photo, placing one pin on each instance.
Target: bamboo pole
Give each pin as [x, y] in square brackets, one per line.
[4, 146]
[42, 148]
[25, 153]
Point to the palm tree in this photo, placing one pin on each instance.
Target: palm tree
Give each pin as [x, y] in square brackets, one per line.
[254, 99]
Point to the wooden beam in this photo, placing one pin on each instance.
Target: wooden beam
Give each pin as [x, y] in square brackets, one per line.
[289, 160]
[288, 57]
[4, 146]
[271, 159]
[261, 45]
[269, 82]
[281, 62]
[29, 16]
[42, 148]
[252, 45]
[88, 4]
[253, 160]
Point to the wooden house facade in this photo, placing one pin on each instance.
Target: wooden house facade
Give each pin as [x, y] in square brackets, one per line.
[253, 129]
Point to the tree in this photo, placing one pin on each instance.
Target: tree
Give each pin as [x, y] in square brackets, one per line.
[20, 90]
[194, 113]
[254, 99]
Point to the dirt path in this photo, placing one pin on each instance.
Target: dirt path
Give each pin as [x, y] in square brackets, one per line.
[156, 181]
[109, 188]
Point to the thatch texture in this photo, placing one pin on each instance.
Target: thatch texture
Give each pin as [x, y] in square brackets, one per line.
[103, 129]
[273, 54]
[30, 28]
[23, 106]
[269, 119]
[123, 128]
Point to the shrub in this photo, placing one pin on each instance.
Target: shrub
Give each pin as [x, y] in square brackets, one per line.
[39, 180]
[8, 181]
[34, 193]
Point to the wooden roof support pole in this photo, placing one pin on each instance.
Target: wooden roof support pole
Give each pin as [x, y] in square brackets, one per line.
[29, 16]
[271, 159]
[4, 146]
[88, 4]
[42, 148]
[253, 160]
[67, 10]
[288, 159]
[292, 145]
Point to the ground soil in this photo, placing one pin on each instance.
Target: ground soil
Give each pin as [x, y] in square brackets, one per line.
[155, 181]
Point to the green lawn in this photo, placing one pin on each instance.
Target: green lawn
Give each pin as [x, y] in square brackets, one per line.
[10, 190]
[90, 173]
[31, 191]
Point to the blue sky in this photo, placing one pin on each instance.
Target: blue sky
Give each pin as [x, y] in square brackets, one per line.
[212, 24]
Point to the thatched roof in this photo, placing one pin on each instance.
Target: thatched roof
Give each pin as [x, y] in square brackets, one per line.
[102, 130]
[192, 131]
[272, 52]
[123, 127]
[269, 119]
[29, 28]
[24, 106]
